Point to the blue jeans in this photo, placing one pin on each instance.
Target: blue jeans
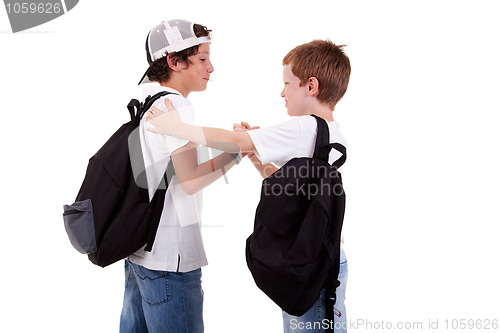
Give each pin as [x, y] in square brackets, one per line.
[158, 301]
[312, 320]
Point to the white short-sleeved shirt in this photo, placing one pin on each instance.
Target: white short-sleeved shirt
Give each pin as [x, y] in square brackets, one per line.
[294, 138]
[178, 245]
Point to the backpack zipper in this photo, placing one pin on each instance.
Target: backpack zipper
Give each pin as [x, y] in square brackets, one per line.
[71, 212]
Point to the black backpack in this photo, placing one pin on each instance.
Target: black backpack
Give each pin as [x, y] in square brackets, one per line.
[294, 250]
[113, 216]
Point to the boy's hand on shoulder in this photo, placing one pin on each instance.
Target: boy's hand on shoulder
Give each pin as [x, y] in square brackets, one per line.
[163, 122]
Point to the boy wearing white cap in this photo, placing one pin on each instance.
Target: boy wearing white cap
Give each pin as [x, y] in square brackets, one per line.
[163, 290]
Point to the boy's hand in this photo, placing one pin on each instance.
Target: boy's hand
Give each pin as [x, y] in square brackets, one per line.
[243, 126]
[163, 122]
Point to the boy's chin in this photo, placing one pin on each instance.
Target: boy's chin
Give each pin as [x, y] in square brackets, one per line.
[201, 88]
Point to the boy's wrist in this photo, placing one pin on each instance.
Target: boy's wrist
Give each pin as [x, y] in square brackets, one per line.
[237, 157]
[178, 127]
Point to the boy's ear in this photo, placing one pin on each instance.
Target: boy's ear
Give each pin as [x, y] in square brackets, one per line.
[312, 86]
[172, 63]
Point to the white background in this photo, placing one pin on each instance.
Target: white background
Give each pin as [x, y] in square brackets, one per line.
[421, 117]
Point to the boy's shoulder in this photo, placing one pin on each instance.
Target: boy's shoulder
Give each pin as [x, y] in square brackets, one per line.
[175, 97]
[153, 89]
[182, 105]
[309, 128]
[294, 126]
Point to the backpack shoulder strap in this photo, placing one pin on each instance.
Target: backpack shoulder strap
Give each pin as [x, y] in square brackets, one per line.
[321, 149]
[148, 102]
[133, 108]
[157, 201]
[323, 146]
[138, 109]
[340, 148]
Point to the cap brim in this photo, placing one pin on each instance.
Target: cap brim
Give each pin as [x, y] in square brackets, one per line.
[145, 78]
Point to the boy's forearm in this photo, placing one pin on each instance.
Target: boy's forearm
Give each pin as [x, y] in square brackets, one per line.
[265, 170]
[208, 172]
[233, 142]
[223, 162]
[189, 132]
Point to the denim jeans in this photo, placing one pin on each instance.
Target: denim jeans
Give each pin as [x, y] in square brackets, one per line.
[158, 301]
[312, 320]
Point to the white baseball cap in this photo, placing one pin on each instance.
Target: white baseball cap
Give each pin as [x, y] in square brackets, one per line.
[170, 36]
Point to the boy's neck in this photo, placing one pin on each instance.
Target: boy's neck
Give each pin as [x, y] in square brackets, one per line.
[173, 84]
[323, 111]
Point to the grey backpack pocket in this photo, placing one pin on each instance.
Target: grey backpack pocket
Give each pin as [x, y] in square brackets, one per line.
[79, 224]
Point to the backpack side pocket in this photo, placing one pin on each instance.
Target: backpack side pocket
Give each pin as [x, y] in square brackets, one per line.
[79, 224]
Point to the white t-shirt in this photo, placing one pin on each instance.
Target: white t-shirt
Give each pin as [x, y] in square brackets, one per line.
[178, 245]
[294, 138]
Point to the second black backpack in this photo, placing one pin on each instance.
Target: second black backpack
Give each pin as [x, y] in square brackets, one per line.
[113, 216]
[294, 250]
